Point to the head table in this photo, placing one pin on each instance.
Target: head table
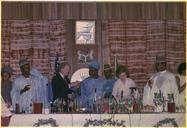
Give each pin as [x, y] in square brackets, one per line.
[134, 120]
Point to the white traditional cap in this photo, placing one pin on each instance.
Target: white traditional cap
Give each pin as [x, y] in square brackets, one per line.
[23, 62]
[160, 58]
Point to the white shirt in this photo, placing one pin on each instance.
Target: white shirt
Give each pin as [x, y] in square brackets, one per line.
[44, 81]
[69, 85]
[182, 95]
[33, 94]
[164, 81]
[121, 86]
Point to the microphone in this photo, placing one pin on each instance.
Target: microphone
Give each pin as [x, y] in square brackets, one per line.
[95, 94]
[121, 94]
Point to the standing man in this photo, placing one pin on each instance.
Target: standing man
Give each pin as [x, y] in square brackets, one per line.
[163, 81]
[6, 84]
[61, 84]
[26, 88]
[108, 86]
[92, 87]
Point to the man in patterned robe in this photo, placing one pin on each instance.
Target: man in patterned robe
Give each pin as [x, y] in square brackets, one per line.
[26, 89]
[92, 87]
[163, 81]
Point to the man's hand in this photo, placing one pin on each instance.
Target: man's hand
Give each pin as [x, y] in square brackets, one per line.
[26, 88]
[75, 84]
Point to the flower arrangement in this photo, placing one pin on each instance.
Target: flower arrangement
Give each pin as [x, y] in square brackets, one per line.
[104, 122]
[42, 122]
[166, 121]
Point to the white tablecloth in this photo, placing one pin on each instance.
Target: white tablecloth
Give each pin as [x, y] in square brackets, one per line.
[140, 119]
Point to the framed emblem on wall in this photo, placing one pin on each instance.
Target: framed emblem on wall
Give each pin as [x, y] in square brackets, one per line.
[85, 54]
[85, 47]
[85, 32]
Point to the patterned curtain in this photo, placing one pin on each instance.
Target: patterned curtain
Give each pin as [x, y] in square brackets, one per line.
[38, 40]
[136, 44]
[175, 43]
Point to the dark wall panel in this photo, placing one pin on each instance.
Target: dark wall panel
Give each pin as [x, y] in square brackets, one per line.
[91, 10]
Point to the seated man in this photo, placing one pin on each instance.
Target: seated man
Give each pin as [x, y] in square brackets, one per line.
[163, 81]
[92, 87]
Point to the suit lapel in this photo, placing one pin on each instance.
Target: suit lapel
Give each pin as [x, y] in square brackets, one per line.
[64, 81]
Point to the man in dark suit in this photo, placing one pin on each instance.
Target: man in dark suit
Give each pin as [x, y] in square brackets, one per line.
[61, 84]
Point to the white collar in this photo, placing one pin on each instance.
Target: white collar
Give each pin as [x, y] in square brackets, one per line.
[122, 82]
[162, 72]
[61, 75]
[27, 77]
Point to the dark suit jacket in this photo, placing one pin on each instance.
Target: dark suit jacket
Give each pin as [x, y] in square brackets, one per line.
[60, 87]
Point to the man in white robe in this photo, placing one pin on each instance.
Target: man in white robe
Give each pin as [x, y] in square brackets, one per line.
[26, 89]
[44, 81]
[163, 81]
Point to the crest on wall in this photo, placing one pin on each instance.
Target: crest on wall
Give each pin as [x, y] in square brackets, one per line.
[85, 56]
